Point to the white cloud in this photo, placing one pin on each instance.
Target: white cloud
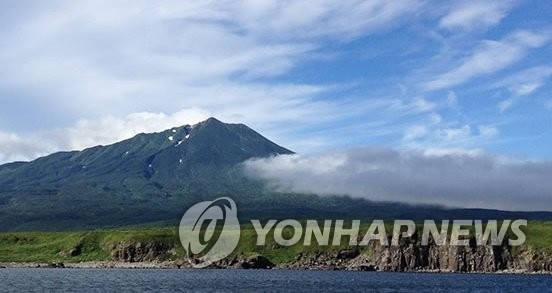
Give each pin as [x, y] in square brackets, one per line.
[452, 99]
[443, 152]
[488, 131]
[414, 106]
[522, 83]
[300, 19]
[86, 133]
[435, 118]
[461, 133]
[14, 147]
[415, 132]
[448, 135]
[490, 57]
[109, 130]
[453, 178]
[423, 105]
[475, 14]
[527, 81]
[526, 89]
[142, 55]
[506, 104]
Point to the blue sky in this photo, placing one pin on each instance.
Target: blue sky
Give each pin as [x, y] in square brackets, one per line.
[312, 75]
[466, 83]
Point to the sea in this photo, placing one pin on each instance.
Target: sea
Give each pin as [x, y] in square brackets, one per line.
[169, 280]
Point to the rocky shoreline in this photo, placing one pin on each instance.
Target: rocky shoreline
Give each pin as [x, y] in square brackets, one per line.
[179, 265]
[345, 260]
[408, 256]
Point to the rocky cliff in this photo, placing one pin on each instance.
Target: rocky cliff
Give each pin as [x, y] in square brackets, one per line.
[409, 256]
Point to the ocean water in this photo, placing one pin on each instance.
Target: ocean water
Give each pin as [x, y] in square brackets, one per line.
[163, 280]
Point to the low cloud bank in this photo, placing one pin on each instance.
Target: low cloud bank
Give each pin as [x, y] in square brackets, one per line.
[451, 178]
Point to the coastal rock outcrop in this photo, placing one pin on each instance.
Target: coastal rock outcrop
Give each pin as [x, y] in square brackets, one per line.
[415, 257]
[411, 256]
[140, 252]
[255, 262]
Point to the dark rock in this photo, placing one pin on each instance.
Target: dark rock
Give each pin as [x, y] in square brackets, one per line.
[139, 252]
[347, 254]
[257, 262]
[367, 268]
[76, 251]
[412, 256]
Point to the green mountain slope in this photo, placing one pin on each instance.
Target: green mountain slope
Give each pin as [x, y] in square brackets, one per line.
[149, 177]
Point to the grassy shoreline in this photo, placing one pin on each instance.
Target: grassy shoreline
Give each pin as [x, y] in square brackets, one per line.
[163, 244]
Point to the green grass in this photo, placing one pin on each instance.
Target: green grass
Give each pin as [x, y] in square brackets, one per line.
[539, 236]
[46, 247]
[94, 245]
[97, 245]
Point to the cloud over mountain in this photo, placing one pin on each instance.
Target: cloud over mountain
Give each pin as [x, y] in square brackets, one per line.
[452, 178]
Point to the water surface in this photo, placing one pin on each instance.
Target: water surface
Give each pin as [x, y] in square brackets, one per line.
[163, 280]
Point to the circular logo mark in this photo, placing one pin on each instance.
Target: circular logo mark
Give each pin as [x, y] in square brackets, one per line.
[210, 231]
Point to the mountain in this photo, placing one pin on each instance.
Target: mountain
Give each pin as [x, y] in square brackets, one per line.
[179, 153]
[141, 179]
[157, 176]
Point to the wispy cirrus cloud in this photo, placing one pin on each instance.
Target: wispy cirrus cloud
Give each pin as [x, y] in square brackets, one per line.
[96, 65]
[526, 81]
[523, 83]
[300, 72]
[89, 56]
[446, 136]
[489, 57]
[414, 132]
[468, 15]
